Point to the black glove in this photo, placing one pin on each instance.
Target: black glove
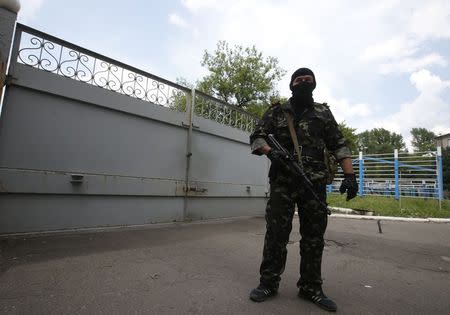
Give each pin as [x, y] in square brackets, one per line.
[350, 185]
[276, 156]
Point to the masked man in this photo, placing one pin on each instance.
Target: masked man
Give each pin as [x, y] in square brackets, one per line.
[316, 131]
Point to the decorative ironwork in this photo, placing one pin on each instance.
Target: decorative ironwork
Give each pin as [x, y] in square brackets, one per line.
[211, 108]
[49, 55]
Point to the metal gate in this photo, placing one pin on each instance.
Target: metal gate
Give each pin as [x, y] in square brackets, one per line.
[88, 141]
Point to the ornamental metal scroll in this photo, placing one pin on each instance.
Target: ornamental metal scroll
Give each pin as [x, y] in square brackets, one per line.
[213, 109]
[49, 55]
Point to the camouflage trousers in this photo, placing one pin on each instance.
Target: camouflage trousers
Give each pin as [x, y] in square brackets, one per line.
[313, 223]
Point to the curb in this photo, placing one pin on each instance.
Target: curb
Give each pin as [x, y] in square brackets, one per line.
[343, 210]
[348, 214]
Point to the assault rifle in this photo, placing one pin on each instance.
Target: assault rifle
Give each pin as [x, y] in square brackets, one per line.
[291, 164]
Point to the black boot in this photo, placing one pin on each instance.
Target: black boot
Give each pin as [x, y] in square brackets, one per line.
[262, 293]
[318, 298]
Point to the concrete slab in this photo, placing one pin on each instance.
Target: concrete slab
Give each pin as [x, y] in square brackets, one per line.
[210, 269]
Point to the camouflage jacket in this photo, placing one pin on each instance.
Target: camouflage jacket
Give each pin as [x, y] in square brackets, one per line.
[316, 129]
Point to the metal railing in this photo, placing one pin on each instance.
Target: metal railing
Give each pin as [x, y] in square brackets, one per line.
[51, 54]
[211, 108]
[397, 174]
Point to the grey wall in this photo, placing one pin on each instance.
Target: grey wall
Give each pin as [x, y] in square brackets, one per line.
[131, 153]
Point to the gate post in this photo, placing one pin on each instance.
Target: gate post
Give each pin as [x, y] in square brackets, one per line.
[361, 174]
[8, 17]
[397, 183]
[440, 174]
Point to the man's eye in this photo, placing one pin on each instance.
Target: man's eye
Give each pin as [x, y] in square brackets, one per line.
[303, 80]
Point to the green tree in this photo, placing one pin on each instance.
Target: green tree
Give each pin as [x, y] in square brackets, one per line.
[178, 97]
[240, 76]
[260, 109]
[257, 109]
[380, 140]
[423, 139]
[210, 108]
[351, 139]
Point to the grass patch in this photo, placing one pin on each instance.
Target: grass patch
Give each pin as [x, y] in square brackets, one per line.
[410, 207]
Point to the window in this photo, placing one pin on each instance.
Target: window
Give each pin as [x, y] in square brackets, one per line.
[448, 142]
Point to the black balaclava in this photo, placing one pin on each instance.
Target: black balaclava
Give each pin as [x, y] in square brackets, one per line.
[302, 92]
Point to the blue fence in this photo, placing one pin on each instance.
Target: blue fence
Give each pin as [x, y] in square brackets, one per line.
[397, 174]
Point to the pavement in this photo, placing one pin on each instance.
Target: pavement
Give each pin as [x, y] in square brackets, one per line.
[209, 268]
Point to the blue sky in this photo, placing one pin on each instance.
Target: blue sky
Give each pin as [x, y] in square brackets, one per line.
[381, 63]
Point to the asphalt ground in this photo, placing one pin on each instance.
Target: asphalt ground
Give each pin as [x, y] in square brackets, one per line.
[209, 268]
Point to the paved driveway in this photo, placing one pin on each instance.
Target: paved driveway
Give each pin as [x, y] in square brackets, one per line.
[209, 268]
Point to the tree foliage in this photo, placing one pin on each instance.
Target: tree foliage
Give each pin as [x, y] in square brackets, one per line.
[380, 140]
[351, 139]
[423, 139]
[257, 109]
[240, 76]
[179, 101]
[260, 109]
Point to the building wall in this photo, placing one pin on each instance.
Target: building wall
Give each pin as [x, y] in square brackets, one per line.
[443, 142]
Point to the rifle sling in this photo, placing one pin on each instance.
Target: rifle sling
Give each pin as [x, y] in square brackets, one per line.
[290, 121]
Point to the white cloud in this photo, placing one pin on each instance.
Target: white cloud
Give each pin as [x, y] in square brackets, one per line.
[428, 110]
[441, 129]
[29, 9]
[272, 27]
[427, 83]
[343, 109]
[409, 65]
[352, 114]
[177, 20]
[196, 5]
[416, 24]
[431, 20]
[393, 48]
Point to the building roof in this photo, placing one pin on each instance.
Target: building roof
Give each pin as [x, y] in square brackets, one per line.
[442, 136]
